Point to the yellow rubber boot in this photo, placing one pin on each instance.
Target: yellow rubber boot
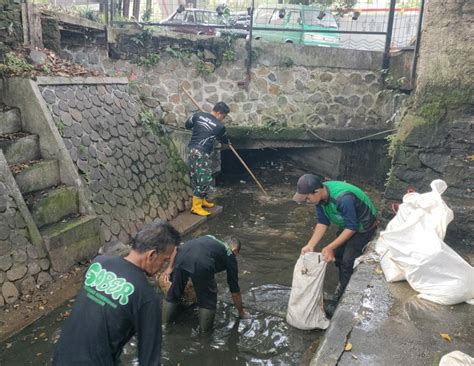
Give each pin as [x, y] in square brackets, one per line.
[207, 204]
[197, 207]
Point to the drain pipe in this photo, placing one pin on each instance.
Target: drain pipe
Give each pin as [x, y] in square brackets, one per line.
[245, 83]
[417, 45]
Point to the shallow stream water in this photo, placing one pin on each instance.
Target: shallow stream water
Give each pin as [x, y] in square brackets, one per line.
[273, 229]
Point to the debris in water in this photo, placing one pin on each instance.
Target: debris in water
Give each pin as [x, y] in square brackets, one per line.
[445, 336]
[243, 182]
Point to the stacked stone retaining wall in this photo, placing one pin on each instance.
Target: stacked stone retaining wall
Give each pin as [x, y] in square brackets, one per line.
[290, 85]
[131, 168]
[23, 268]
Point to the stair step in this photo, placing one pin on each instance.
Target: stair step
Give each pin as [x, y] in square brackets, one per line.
[10, 121]
[72, 240]
[20, 147]
[37, 176]
[53, 205]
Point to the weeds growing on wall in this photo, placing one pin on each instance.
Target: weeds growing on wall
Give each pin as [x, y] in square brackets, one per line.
[229, 53]
[149, 60]
[202, 67]
[60, 126]
[14, 66]
[144, 38]
[178, 53]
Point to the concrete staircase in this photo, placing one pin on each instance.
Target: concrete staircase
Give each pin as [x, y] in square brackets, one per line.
[69, 237]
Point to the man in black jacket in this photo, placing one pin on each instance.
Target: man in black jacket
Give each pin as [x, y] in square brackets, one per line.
[200, 259]
[117, 302]
[207, 127]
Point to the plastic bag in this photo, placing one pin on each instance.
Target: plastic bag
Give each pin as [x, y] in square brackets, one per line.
[305, 307]
[414, 249]
[456, 358]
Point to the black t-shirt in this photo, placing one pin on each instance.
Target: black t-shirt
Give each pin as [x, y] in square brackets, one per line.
[115, 303]
[206, 129]
[207, 254]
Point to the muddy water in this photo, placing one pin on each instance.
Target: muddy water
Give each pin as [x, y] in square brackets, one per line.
[273, 230]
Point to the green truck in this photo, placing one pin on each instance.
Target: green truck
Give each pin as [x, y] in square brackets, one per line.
[299, 20]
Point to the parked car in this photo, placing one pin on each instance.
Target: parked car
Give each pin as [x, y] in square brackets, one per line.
[202, 22]
[296, 17]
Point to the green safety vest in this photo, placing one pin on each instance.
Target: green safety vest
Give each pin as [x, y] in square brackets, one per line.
[336, 189]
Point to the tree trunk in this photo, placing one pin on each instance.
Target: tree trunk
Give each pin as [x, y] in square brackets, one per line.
[126, 8]
[136, 9]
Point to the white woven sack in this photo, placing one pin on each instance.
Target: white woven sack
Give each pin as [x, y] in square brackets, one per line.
[456, 358]
[305, 307]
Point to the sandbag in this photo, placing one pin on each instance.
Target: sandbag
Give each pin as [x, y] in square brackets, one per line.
[305, 307]
[414, 249]
[456, 358]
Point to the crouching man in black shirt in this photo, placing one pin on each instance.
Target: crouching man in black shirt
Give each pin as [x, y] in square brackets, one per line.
[117, 302]
[200, 259]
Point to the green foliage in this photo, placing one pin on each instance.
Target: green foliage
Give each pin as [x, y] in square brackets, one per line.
[203, 68]
[60, 127]
[14, 66]
[146, 16]
[144, 38]
[151, 124]
[392, 81]
[178, 53]
[287, 62]
[229, 53]
[89, 14]
[149, 60]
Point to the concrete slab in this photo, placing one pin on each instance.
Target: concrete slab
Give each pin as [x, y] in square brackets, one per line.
[10, 121]
[38, 176]
[21, 150]
[388, 325]
[186, 222]
[71, 241]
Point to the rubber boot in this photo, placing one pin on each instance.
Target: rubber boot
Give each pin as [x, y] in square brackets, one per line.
[207, 204]
[197, 207]
[206, 320]
[168, 312]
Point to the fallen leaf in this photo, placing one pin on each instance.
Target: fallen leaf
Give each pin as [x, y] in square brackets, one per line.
[445, 336]
[348, 347]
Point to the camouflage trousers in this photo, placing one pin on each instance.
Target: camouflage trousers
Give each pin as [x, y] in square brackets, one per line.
[200, 173]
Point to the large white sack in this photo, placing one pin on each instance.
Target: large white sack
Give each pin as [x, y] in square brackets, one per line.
[425, 211]
[456, 358]
[430, 266]
[391, 270]
[305, 307]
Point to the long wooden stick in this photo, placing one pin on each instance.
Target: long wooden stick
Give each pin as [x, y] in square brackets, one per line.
[230, 146]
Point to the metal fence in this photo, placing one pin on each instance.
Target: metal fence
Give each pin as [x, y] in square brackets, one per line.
[379, 25]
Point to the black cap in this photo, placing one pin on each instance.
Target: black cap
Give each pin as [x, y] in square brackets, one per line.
[307, 184]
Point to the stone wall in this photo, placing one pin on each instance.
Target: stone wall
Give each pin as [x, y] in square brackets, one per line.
[295, 86]
[436, 135]
[131, 168]
[10, 26]
[23, 268]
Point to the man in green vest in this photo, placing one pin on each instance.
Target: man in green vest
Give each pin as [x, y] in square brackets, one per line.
[346, 206]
